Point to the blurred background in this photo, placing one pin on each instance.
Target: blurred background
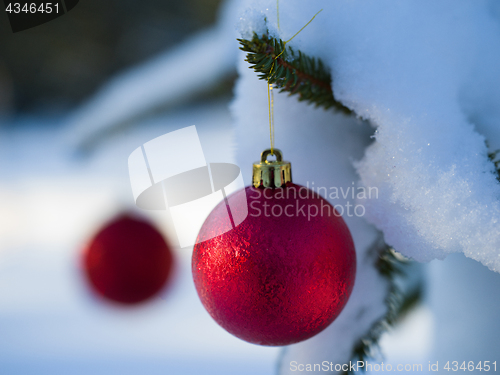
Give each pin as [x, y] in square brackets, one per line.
[57, 65]
[61, 181]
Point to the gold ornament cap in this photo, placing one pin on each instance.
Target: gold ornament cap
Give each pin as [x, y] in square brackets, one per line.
[271, 174]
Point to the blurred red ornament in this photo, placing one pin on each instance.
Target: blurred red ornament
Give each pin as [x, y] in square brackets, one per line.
[128, 261]
[282, 275]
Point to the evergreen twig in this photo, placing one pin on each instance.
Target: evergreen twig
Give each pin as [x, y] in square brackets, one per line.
[496, 161]
[398, 301]
[291, 71]
[297, 73]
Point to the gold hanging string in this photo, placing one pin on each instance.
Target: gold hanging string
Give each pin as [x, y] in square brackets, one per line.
[270, 93]
[278, 12]
[270, 102]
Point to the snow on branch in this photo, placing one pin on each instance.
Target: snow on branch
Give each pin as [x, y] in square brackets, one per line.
[292, 71]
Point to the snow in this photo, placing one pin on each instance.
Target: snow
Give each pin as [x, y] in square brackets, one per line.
[465, 302]
[425, 74]
[416, 70]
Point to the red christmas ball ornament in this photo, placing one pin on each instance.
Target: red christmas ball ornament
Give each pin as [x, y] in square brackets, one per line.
[286, 272]
[128, 261]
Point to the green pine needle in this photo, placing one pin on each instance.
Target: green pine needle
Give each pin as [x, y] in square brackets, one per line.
[494, 157]
[398, 301]
[291, 71]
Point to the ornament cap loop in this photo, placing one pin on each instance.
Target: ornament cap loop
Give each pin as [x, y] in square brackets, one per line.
[271, 174]
[266, 153]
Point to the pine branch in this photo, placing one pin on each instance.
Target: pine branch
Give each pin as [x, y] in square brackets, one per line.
[398, 301]
[291, 71]
[297, 73]
[494, 157]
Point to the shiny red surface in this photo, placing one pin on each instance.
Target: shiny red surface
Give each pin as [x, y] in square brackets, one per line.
[275, 280]
[128, 261]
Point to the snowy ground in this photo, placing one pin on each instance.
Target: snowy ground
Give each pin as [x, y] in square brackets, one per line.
[52, 200]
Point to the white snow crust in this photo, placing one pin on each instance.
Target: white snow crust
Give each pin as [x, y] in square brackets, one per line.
[426, 75]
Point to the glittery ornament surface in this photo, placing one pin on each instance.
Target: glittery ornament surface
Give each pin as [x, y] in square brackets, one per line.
[128, 261]
[282, 275]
